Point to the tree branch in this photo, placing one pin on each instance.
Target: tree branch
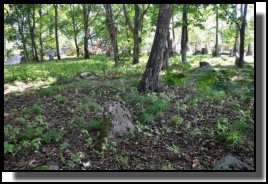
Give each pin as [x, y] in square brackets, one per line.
[127, 18]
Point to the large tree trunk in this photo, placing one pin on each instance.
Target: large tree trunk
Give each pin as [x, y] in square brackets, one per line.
[242, 38]
[167, 53]
[217, 50]
[74, 29]
[112, 31]
[85, 18]
[56, 31]
[184, 34]
[32, 27]
[149, 80]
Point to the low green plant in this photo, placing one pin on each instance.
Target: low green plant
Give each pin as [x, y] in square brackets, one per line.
[8, 148]
[174, 149]
[158, 108]
[167, 166]
[31, 133]
[146, 118]
[60, 99]
[34, 110]
[51, 136]
[89, 104]
[35, 143]
[123, 160]
[176, 120]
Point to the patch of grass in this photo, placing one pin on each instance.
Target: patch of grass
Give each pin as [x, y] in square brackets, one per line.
[48, 91]
[33, 110]
[60, 99]
[89, 104]
[51, 136]
[176, 120]
[146, 118]
[158, 108]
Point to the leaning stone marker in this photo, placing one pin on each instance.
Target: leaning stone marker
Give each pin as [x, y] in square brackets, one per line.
[231, 163]
[116, 121]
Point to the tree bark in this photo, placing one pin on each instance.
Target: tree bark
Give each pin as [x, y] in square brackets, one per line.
[138, 18]
[112, 31]
[85, 18]
[32, 27]
[242, 37]
[40, 35]
[184, 34]
[236, 42]
[75, 30]
[149, 81]
[167, 53]
[56, 31]
[21, 32]
[217, 50]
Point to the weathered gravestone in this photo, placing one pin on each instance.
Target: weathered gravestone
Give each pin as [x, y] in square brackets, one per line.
[50, 57]
[231, 54]
[231, 163]
[250, 50]
[15, 59]
[116, 121]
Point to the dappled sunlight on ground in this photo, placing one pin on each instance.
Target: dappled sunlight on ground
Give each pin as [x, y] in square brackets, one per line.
[23, 87]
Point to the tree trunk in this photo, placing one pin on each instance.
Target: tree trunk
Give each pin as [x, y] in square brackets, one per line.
[135, 31]
[112, 31]
[75, 30]
[242, 37]
[149, 80]
[56, 31]
[23, 40]
[167, 53]
[217, 50]
[236, 42]
[184, 34]
[31, 28]
[85, 18]
[40, 36]
[136, 40]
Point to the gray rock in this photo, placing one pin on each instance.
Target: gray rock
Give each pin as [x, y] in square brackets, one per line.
[119, 119]
[231, 163]
[88, 75]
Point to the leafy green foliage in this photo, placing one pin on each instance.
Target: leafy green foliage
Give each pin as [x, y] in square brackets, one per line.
[34, 110]
[51, 136]
[8, 148]
[176, 120]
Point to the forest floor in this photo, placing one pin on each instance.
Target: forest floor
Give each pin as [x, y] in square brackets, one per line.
[202, 114]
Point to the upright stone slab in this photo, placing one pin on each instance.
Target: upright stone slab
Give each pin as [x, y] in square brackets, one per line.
[116, 121]
[250, 50]
[50, 57]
